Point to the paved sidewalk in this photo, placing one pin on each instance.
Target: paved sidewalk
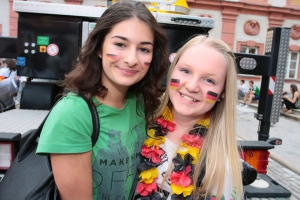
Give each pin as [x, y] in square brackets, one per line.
[285, 177]
[284, 160]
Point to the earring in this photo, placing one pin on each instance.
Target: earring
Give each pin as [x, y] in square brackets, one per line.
[221, 97]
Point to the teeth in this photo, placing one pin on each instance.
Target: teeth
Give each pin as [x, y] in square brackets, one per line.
[188, 98]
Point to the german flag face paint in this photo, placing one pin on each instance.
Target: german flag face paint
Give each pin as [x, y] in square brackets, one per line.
[111, 56]
[174, 84]
[147, 64]
[211, 97]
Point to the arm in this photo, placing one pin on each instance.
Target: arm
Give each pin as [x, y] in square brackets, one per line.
[251, 90]
[66, 136]
[73, 175]
[295, 96]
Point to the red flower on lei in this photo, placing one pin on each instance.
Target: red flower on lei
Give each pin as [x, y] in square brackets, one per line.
[145, 189]
[152, 153]
[181, 178]
[192, 140]
[166, 124]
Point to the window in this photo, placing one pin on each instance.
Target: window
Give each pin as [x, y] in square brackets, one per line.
[292, 65]
[250, 50]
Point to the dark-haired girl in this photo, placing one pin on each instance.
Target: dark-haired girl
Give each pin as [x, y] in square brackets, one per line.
[120, 70]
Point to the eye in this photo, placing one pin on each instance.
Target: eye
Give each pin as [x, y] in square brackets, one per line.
[186, 71]
[210, 81]
[119, 44]
[144, 50]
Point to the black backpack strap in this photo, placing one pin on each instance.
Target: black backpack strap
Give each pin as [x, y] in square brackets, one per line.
[95, 120]
[9, 73]
[28, 145]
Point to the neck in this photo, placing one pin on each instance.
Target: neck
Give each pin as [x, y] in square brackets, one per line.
[183, 126]
[185, 121]
[115, 97]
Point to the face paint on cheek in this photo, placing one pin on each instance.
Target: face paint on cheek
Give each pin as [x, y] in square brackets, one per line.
[174, 84]
[111, 56]
[147, 64]
[211, 97]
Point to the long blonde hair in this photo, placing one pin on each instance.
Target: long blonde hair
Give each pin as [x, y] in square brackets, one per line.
[220, 144]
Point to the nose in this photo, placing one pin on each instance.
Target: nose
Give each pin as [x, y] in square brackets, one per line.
[131, 57]
[192, 85]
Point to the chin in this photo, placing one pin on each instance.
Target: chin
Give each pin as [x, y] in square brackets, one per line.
[126, 82]
[186, 112]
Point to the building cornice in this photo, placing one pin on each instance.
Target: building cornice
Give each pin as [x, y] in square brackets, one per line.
[76, 2]
[262, 9]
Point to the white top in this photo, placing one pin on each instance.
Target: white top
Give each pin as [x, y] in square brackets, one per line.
[170, 148]
[170, 152]
[244, 88]
[6, 72]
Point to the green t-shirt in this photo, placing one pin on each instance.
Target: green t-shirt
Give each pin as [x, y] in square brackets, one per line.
[256, 90]
[115, 156]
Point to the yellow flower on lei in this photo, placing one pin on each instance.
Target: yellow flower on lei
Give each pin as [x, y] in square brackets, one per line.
[167, 114]
[154, 141]
[204, 122]
[193, 151]
[148, 176]
[178, 189]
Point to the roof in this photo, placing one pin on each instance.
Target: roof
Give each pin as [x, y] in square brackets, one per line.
[91, 11]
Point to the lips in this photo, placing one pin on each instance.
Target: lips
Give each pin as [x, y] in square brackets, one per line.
[128, 71]
[188, 98]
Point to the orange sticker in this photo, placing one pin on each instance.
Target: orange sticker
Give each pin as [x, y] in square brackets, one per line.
[43, 49]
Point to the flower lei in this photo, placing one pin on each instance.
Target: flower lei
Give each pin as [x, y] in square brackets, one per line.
[187, 156]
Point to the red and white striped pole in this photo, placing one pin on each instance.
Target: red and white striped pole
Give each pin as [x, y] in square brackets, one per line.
[272, 85]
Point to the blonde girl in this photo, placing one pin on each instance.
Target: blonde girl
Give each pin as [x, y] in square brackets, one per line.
[191, 149]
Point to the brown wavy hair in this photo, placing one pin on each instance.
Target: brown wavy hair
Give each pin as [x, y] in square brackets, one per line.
[11, 64]
[86, 76]
[294, 88]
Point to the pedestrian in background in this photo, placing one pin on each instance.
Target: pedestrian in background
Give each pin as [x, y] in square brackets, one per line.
[9, 70]
[292, 103]
[242, 89]
[8, 91]
[252, 94]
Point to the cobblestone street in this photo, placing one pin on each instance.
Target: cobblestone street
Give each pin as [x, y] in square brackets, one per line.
[287, 153]
[285, 178]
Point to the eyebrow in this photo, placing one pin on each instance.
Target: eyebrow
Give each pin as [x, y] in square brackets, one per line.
[214, 75]
[124, 38]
